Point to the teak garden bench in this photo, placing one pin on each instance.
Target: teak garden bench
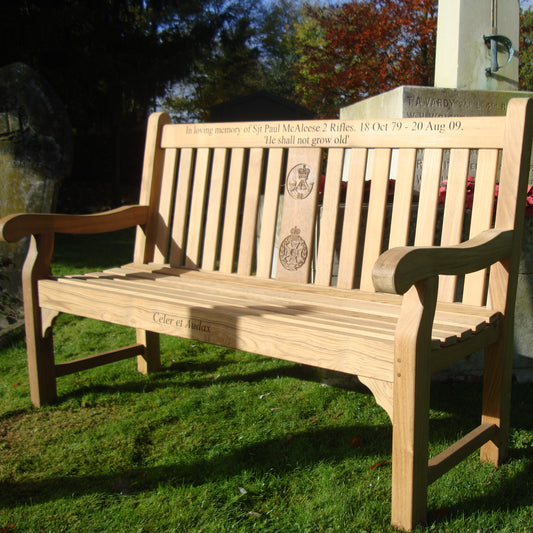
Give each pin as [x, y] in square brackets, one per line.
[238, 225]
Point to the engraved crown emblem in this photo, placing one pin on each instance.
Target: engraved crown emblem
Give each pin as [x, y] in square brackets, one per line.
[303, 172]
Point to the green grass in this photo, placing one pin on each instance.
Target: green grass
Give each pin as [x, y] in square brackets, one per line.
[221, 440]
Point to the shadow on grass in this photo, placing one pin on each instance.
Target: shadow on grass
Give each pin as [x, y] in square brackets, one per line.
[459, 404]
[268, 456]
[172, 377]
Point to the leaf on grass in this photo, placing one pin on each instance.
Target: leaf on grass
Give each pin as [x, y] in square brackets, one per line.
[357, 442]
[379, 465]
[5, 529]
[16, 384]
[312, 419]
[439, 513]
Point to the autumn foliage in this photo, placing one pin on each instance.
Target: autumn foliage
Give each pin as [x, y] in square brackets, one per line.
[361, 48]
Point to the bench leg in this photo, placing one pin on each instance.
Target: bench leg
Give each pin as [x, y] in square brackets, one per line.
[497, 380]
[39, 347]
[410, 452]
[411, 406]
[41, 366]
[151, 360]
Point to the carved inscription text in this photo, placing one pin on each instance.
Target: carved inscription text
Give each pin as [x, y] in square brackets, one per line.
[178, 322]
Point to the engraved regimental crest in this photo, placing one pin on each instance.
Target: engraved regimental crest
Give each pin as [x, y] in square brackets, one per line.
[299, 182]
[293, 251]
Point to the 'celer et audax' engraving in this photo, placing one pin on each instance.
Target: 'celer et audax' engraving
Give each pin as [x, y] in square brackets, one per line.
[186, 323]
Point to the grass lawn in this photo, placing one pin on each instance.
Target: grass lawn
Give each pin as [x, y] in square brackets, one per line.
[221, 440]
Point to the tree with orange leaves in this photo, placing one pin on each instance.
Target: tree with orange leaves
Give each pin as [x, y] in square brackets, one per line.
[361, 48]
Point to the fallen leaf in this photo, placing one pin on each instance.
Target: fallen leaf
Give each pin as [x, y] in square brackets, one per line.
[16, 384]
[438, 513]
[357, 442]
[5, 529]
[379, 465]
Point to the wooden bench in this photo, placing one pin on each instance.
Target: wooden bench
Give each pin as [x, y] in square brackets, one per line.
[238, 228]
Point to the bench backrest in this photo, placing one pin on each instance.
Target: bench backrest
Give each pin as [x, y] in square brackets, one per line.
[291, 199]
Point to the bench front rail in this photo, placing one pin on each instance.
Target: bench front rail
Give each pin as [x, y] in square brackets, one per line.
[319, 242]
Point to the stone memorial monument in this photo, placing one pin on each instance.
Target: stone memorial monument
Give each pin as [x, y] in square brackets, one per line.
[35, 154]
[476, 74]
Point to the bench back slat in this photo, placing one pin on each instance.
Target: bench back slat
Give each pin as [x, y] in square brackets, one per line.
[181, 206]
[403, 197]
[291, 200]
[375, 223]
[351, 226]
[249, 216]
[428, 199]
[298, 219]
[197, 209]
[328, 217]
[270, 212]
[214, 209]
[453, 217]
[231, 215]
[165, 206]
[482, 218]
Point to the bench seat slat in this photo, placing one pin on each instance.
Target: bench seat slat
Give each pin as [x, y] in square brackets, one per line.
[335, 301]
[295, 314]
[296, 290]
[378, 318]
[447, 327]
[326, 347]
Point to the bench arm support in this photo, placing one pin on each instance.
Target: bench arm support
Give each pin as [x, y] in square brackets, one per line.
[15, 227]
[397, 269]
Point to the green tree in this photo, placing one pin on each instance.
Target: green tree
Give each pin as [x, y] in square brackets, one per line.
[254, 51]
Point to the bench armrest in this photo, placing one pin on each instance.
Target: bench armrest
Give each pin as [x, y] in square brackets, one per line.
[397, 269]
[15, 227]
